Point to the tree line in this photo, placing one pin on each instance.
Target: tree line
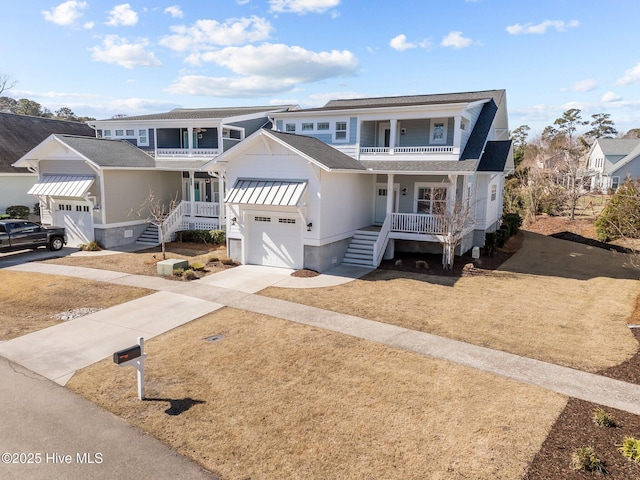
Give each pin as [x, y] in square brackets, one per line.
[24, 106]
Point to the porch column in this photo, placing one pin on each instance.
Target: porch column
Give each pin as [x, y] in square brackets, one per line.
[192, 193]
[390, 193]
[221, 208]
[392, 135]
[190, 142]
[457, 132]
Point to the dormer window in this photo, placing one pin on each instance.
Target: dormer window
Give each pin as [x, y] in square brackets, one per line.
[438, 131]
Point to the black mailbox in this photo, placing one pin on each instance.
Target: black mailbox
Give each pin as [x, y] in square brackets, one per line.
[127, 354]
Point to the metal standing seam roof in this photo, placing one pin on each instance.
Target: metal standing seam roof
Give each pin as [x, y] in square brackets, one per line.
[75, 186]
[283, 193]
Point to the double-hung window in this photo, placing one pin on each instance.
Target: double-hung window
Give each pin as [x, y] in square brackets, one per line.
[290, 128]
[341, 130]
[143, 137]
[431, 199]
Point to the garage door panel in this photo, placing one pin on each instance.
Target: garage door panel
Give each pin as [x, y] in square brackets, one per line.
[76, 218]
[275, 240]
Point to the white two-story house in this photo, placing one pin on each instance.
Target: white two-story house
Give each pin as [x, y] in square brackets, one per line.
[355, 180]
[611, 160]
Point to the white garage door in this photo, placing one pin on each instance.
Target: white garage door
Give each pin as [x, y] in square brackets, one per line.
[275, 239]
[76, 218]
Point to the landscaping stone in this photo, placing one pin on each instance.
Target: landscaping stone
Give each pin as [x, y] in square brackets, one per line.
[166, 267]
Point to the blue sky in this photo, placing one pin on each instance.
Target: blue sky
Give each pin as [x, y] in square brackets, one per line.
[102, 58]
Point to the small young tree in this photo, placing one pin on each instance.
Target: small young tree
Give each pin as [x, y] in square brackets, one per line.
[156, 212]
[454, 219]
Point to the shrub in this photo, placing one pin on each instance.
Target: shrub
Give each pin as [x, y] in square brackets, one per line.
[197, 266]
[585, 458]
[502, 234]
[213, 259]
[620, 217]
[90, 247]
[630, 448]
[178, 272]
[227, 261]
[18, 211]
[218, 237]
[514, 221]
[490, 246]
[602, 418]
[189, 275]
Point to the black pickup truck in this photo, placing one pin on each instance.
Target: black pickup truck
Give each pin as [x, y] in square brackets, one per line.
[22, 234]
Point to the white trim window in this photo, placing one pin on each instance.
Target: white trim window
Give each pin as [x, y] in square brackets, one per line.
[143, 136]
[106, 133]
[438, 131]
[290, 128]
[323, 126]
[615, 183]
[306, 127]
[341, 131]
[119, 133]
[430, 198]
[494, 192]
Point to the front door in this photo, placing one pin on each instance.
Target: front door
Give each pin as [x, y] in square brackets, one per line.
[381, 202]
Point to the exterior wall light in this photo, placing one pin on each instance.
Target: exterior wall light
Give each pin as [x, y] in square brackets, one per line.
[309, 225]
[234, 220]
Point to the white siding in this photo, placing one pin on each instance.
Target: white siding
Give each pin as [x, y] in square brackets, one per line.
[62, 167]
[14, 188]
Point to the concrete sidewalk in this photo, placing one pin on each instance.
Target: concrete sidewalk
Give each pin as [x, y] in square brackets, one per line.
[236, 288]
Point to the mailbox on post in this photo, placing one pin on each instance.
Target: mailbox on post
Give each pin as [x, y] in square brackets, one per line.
[127, 354]
[133, 356]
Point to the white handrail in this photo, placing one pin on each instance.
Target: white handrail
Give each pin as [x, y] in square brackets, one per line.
[380, 244]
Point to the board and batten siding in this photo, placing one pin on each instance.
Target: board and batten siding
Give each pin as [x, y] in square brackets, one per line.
[14, 188]
[125, 191]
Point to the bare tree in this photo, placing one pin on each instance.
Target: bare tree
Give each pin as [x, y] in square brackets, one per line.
[156, 212]
[454, 219]
[6, 83]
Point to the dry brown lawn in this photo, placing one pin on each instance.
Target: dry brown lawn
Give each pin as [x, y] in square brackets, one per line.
[554, 300]
[144, 262]
[280, 400]
[30, 300]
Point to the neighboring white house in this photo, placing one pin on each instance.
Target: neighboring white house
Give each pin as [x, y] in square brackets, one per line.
[357, 179]
[18, 135]
[611, 160]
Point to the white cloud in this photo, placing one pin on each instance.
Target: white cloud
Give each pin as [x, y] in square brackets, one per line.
[122, 15]
[66, 13]
[584, 86]
[206, 34]
[283, 61]
[630, 76]
[400, 43]
[266, 70]
[242, 2]
[611, 97]
[540, 28]
[174, 11]
[456, 40]
[302, 7]
[119, 51]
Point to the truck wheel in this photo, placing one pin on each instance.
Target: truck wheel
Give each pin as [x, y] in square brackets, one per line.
[56, 244]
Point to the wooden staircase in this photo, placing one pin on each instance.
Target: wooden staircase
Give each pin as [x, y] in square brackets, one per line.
[360, 251]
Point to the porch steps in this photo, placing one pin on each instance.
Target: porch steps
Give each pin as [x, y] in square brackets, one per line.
[149, 236]
[360, 251]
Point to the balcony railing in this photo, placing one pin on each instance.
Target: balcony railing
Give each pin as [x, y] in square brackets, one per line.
[412, 150]
[186, 152]
[416, 223]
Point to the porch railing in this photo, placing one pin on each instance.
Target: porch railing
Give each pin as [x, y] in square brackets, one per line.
[185, 152]
[415, 223]
[394, 150]
[202, 218]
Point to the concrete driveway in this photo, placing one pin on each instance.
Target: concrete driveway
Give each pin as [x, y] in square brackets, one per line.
[19, 257]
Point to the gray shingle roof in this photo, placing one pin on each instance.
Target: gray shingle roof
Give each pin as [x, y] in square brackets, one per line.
[202, 113]
[21, 133]
[426, 166]
[478, 138]
[433, 99]
[321, 152]
[618, 146]
[109, 153]
[495, 156]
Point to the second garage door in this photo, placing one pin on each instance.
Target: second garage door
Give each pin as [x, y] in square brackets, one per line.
[76, 218]
[275, 240]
